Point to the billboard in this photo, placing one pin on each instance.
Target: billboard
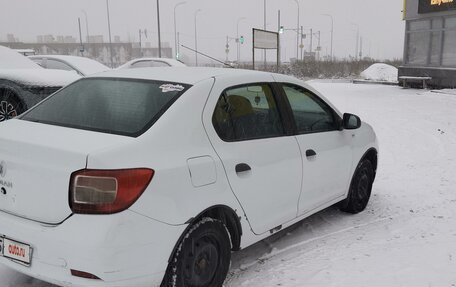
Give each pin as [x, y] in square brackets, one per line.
[265, 39]
[429, 6]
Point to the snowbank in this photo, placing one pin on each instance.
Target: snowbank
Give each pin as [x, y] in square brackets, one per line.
[380, 72]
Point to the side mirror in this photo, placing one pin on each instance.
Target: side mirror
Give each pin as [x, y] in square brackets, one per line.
[351, 122]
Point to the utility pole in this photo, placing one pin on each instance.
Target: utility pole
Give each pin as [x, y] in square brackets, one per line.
[332, 34]
[227, 49]
[238, 40]
[264, 28]
[357, 40]
[109, 29]
[81, 49]
[279, 29]
[361, 48]
[176, 45]
[302, 43]
[297, 34]
[140, 43]
[196, 39]
[87, 27]
[159, 35]
[311, 41]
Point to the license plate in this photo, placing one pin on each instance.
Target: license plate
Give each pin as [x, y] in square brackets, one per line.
[17, 251]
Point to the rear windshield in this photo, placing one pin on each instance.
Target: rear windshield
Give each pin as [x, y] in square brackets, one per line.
[116, 106]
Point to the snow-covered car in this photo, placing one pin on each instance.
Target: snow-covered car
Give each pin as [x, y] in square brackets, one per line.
[23, 83]
[152, 62]
[152, 177]
[81, 65]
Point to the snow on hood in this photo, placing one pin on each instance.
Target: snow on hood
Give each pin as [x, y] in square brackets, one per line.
[39, 77]
[380, 72]
[10, 59]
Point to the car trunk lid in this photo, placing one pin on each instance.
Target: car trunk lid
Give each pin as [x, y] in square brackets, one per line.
[36, 163]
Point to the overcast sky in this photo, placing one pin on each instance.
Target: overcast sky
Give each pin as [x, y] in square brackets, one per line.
[380, 22]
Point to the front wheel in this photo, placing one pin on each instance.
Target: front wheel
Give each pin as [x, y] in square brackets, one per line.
[202, 258]
[360, 188]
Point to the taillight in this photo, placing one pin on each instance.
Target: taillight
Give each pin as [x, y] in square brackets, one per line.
[107, 191]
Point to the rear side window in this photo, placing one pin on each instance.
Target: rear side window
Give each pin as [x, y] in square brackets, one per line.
[248, 112]
[118, 106]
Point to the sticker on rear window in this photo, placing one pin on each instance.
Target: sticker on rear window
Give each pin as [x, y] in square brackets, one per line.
[171, 88]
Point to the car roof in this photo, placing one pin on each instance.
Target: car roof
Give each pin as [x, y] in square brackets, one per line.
[184, 75]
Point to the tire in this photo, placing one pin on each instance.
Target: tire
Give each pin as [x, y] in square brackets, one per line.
[360, 188]
[10, 105]
[202, 258]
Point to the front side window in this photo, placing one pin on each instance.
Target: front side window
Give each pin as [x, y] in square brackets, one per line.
[311, 114]
[248, 112]
[117, 106]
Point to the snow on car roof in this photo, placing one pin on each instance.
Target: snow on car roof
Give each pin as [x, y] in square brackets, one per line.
[39, 77]
[10, 59]
[184, 75]
[85, 65]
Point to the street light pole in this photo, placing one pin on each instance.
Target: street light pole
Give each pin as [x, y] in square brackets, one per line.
[297, 32]
[357, 40]
[87, 25]
[196, 39]
[158, 27]
[264, 27]
[109, 29]
[238, 40]
[332, 34]
[176, 48]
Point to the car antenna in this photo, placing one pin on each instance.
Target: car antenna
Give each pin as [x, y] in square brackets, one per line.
[212, 58]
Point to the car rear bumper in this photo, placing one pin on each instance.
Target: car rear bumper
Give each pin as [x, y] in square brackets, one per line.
[124, 249]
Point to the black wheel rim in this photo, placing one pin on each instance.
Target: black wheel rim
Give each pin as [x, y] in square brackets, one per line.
[201, 262]
[7, 111]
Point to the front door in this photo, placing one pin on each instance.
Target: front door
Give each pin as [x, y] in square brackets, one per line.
[325, 148]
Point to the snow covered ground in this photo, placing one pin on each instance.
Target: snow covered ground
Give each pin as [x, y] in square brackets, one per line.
[407, 235]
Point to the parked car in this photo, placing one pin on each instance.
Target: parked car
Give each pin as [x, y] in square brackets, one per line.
[81, 65]
[170, 170]
[152, 62]
[23, 83]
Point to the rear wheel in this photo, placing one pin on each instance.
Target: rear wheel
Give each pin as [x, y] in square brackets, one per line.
[360, 188]
[202, 258]
[10, 105]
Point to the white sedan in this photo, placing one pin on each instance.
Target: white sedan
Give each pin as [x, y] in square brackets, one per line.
[152, 177]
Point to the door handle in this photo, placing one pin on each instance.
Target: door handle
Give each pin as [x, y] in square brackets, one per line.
[242, 167]
[310, 152]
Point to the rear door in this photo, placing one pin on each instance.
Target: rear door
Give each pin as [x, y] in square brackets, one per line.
[326, 149]
[263, 165]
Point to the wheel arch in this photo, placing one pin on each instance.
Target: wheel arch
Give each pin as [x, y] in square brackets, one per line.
[371, 155]
[220, 212]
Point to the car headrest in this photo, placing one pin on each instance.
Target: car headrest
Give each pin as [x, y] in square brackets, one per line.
[240, 106]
